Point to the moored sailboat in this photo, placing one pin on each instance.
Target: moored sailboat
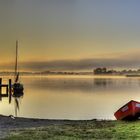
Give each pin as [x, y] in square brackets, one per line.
[17, 86]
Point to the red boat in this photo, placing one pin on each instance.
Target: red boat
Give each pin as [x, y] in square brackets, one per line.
[130, 111]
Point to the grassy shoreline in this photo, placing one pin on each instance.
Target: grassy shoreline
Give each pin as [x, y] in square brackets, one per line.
[39, 129]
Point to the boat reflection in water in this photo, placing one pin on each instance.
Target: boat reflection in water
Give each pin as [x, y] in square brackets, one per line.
[16, 96]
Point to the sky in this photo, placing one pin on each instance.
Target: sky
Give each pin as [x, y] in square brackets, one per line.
[70, 34]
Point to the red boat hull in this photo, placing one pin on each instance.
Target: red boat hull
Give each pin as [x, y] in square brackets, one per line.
[129, 111]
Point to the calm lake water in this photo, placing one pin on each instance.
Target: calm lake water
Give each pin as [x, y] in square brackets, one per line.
[72, 97]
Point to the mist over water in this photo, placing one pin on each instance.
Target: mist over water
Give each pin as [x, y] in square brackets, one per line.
[73, 97]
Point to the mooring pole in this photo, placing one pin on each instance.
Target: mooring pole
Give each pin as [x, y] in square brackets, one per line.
[10, 86]
[0, 85]
[10, 90]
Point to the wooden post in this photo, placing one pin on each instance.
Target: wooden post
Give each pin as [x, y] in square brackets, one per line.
[10, 86]
[0, 85]
[10, 90]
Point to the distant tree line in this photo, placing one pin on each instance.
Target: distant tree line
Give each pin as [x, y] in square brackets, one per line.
[104, 70]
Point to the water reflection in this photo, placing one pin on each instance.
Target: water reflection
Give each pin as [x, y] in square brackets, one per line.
[83, 98]
[102, 82]
[72, 97]
[86, 85]
[16, 97]
[3, 96]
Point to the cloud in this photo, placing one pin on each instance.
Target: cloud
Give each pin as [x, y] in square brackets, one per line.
[83, 64]
[118, 61]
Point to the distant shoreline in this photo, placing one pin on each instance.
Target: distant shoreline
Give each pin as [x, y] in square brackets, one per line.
[64, 73]
[37, 74]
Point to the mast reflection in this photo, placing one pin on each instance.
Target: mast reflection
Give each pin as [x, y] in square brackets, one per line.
[16, 96]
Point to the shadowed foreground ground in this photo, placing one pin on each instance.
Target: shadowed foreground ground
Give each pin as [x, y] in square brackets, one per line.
[38, 129]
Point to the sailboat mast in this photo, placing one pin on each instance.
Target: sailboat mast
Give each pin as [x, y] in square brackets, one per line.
[16, 66]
